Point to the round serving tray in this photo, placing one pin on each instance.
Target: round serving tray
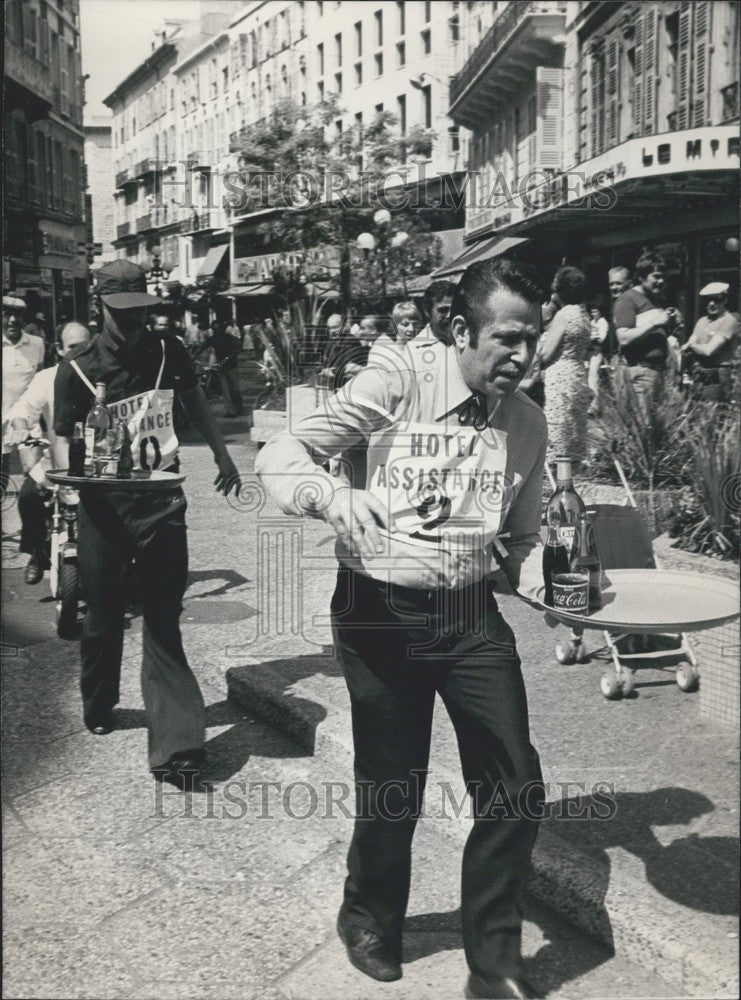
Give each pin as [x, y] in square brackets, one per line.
[140, 481]
[652, 600]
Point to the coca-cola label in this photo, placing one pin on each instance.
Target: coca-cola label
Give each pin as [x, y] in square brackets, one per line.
[571, 596]
[566, 534]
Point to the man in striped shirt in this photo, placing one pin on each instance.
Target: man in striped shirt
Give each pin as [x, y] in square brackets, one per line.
[454, 478]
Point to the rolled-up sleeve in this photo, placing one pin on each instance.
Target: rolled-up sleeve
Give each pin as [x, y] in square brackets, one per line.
[290, 464]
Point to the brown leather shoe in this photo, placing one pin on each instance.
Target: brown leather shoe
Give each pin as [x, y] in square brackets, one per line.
[367, 951]
[501, 988]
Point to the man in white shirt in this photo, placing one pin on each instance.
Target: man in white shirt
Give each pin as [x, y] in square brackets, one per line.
[33, 413]
[23, 356]
[455, 462]
[438, 299]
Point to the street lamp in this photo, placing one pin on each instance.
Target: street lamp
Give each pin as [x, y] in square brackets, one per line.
[367, 242]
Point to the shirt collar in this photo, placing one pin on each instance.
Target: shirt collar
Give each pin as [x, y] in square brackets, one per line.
[24, 340]
[457, 391]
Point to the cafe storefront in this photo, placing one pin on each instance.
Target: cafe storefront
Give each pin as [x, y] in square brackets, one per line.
[675, 192]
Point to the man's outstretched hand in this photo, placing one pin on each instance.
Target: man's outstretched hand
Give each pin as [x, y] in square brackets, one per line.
[356, 516]
[228, 478]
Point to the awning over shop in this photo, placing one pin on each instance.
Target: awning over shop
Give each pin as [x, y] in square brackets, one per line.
[211, 262]
[240, 291]
[484, 250]
[174, 275]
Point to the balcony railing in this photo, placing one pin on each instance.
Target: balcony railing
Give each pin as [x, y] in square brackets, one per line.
[121, 178]
[123, 229]
[198, 221]
[145, 166]
[144, 222]
[495, 39]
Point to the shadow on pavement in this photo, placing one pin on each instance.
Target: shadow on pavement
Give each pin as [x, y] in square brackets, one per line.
[563, 957]
[699, 872]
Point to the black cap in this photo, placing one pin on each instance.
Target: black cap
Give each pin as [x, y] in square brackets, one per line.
[122, 284]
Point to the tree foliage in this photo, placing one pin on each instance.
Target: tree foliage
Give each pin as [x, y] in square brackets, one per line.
[319, 188]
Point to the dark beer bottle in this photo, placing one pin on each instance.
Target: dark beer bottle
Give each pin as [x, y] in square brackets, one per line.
[566, 503]
[586, 560]
[555, 558]
[77, 451]
[125, 458]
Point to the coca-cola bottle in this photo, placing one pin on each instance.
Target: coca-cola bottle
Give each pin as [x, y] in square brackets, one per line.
[585, 559]
[97, 425]
[566, 503]
[77, 451]
[555, 558]
[125, 458]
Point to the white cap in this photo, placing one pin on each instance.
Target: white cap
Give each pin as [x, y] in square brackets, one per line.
[13, 302]
[715, 288]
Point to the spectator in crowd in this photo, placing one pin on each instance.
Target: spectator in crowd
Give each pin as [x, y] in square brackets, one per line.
[599, 330]
[563, 352]
[390, 346]
[407, 321]
[36, 326]
[248, 342]
[226, 349]
[618, 280]
[23, 356]
[643, 324]
[438, 299]
[93, 328]
[714, 341]
[33, 414]
[233, 331]
[194, 334]
[160, 323]
[533, 385]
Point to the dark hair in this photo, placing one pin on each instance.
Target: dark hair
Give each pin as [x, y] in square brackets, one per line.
[569, 284]
[486, 276]
[649, 262]
[438, 291]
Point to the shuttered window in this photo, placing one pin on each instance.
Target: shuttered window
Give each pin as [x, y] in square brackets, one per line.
[701, 68]
[549, 102]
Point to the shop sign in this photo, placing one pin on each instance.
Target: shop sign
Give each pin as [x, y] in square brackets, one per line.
[713, 148]
[311, 262]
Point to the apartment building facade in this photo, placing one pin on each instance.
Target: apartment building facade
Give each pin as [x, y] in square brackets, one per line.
[101, 230]
[44, 254]
[598, 129]
[373, 57]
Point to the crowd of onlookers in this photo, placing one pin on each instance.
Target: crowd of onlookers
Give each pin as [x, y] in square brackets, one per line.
[583, 339]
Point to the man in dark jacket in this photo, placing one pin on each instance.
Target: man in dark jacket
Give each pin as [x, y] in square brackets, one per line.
[143, 376]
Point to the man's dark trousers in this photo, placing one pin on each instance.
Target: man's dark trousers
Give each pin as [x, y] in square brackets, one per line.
[33, 517]
[150, 529]
[465, 651]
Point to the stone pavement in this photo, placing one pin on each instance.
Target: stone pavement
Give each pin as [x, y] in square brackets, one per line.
[109, 891]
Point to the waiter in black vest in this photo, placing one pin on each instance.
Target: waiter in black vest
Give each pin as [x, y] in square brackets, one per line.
[143, 375]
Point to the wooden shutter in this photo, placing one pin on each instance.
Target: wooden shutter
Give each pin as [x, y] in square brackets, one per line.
[612, 90]
[549, 117]
[683, 65]
[32, 167]
[596, 68]
[701, 63]
[638, 75]
[649, 71]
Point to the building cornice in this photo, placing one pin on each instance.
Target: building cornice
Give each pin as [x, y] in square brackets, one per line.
[152, 63]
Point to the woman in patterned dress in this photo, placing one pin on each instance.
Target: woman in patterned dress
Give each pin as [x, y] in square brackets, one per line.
[563, 351]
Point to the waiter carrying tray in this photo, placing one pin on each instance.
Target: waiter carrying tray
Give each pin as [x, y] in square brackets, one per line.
[455, 460]
[143, 375]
